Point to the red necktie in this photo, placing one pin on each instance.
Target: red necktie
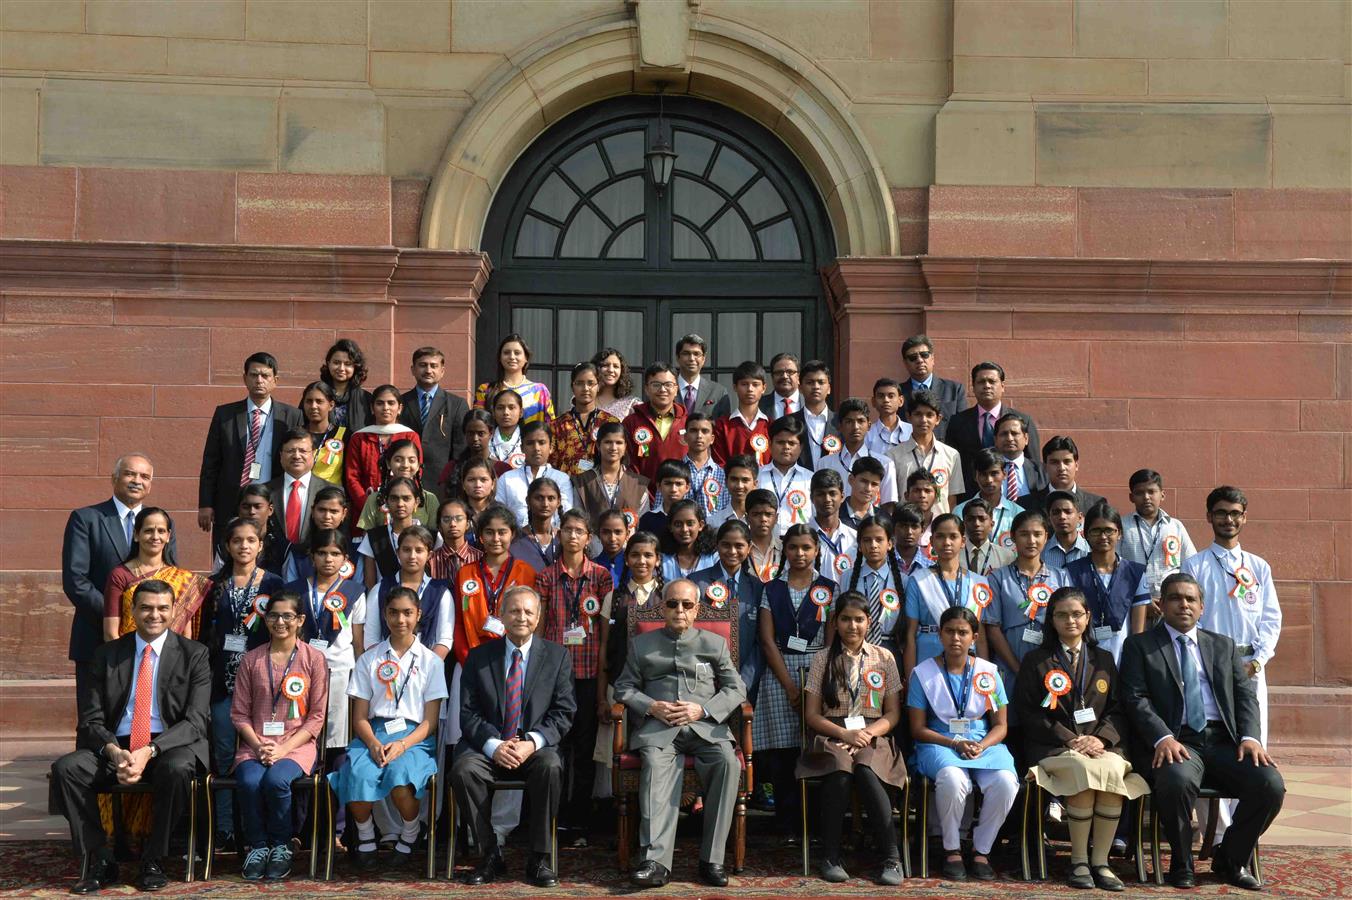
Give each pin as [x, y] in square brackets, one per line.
[1011, 482]
[251, 446]
[788, 406]
[512, 723]
[293, 505]
[145, 693]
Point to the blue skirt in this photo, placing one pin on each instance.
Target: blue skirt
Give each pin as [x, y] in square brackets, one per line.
[930, 758]
[362, 780]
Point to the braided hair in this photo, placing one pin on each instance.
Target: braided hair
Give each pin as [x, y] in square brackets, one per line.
[881, 520]
[835, 674]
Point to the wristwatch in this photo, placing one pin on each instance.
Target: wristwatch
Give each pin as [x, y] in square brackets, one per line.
[1257, 666]
[154, 749]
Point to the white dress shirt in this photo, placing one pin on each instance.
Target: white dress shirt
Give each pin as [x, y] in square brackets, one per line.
[881, 439]
[422, 677]
[843, 461]
[797, 399]
[304, 492]
[491, 745]
[157, 652]
[123, 510]
[1255, 620]
[442, 634]
[512, 487]
[781, 484]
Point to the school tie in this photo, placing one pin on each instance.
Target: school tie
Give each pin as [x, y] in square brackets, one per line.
[293, 504]
[145, 692]
[987, 429]
[512, 723]
[1011, 482]
[875, 585]
[689, 398]
[1194, 716]
[251, 446]
[131, 528]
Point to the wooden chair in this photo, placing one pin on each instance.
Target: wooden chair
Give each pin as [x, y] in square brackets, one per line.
[1144, 807]
[625, 769]
[501, 784]
[194, 787]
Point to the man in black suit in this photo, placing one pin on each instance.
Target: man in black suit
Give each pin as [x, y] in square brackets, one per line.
[293, 493]
[1061, 462]
[244, 445]
[818, 418]
[436, 414]
[785, 399]
[973, 428]
[918, 353]
[693, 390]
[97, 539]
[506, 739]
[1194, 711]
[143, 718]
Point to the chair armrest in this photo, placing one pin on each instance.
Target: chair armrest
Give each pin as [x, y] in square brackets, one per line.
[617, 714]
[747, 715]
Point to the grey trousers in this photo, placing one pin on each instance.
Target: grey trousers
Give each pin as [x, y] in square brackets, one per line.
[660, 795]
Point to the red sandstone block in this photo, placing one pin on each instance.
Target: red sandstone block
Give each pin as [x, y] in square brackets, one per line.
[1342, 549]
[1293, 223]
[156, 205]
[48, 445]
[1295, 554]
[33, 540]
[1136, 223]
[1281, 504]
[1294, 662]
[1251, 415]
[1038, 368]
[37, 202]
[1334, 505]
[174, 445]
[1185, 458]
[381, 365]
[310, 210]
[343, 315]
[1319, 325]
[53, 309]
[1248, 326]
[1001, 221]
[72, 491]
[176, 309]
[1344, 372]
[1305, 459]
[1063, 415]
[912, 206]
[1332, 609]
[33, 644]
[191, 401]
[1099, 325]
[952, 360]
[406, 200]
[299, 355]
[1326, 415]
[19, 399]
[80, 354]
[1221, 370]
[969, 323]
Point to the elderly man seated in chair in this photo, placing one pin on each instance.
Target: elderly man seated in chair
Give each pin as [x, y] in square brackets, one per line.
[680, 684]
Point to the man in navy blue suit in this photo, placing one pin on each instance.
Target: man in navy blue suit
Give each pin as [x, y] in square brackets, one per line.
[918, 354]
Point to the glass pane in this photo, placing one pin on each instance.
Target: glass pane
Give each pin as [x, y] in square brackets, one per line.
[692, 152]
[694, 201]
[554, 198]
[629, 245]
[691, 323]
[585, 167]
[537, 327]
[536, 238]
[730, 238]
[586, 235]
[623, 330]
[625, 151]
[782, 332]
[686, 244]
[731, 170]
[736, 339]
[780, 241]
[563, 390]
[762, 201]
[577, 337]
[622, 200]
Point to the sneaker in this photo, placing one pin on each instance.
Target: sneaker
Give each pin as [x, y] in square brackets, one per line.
[256, 864]
[279, 863]
[891, 874]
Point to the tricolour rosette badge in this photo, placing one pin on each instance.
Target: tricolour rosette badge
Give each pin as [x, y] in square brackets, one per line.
[1057, 684]
[386, 673]
[717, 594]
[336, 604]
[1039, 595]
[984, 684]
[295, 687]
[821, 598]
[876, 681]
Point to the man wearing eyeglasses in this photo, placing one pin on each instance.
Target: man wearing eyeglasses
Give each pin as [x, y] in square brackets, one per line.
[680, 685]
[918, 353]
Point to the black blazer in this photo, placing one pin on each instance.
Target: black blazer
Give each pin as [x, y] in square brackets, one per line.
[95, 543]
[963, 434]
[712, 398]
[183, 686]
[1152, 686]
[547, 703]
[1084, 500]
[223, 454]
[1045, 731]
[810, 453]
[952, 399]
[443, 434]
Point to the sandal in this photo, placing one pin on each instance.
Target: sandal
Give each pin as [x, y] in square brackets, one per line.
[1106, 879]
[1080, 876]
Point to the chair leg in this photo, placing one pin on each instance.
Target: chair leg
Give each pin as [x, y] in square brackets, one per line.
[622, 830]
[209, 795]
[1024, 868]
[905, 828]
[314, 821]
[1255, 866]
[1155, 844]
[802, 809]
[924, 827]
[432, 827]
[452, 826]
[1213, 808]
[739, 835]
[191, 874]
[554, 843]
[1140, 839]
[330, 823]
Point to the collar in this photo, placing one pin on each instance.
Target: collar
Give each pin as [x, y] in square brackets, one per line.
[304, 480]
[157, 645]
[508, 647]
[822, 416]
[993, 413]
[1174, 634]
[682, 384]
[1161, 518]
[1018, 461]
[710, 464]
[724, 569]
[884, 571]
[760, 414]
[1067, 649]
[1235, 554]
[427, 392]
[265, 409]
[123, 509]
[1080, 544]
[658, 417]
[923, 385]
[386, 650]
[841, 527]
[796, 397]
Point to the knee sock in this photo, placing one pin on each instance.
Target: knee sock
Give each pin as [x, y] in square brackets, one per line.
[1107, 810]
[366, 835]
[409, 833]
[1079, 821]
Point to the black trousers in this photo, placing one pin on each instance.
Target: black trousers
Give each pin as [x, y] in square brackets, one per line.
[578, 746]
[778, 767]
[1259, 789]
[77, 776]
[835, 800]
[472, 773]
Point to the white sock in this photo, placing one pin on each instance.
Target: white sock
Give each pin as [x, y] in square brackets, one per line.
[366, 835]
[409, 833]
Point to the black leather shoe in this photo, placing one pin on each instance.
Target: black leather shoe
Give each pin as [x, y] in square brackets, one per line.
[1239, 876]
[650, 874]
[540, 874]
[713, 874]
[152, 876]
[99, 871]
[490, 869]
[1183, 879]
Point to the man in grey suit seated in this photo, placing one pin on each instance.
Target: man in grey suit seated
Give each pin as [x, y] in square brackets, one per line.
[680, 684]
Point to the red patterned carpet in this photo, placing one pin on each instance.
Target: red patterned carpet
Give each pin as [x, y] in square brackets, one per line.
[46, 869]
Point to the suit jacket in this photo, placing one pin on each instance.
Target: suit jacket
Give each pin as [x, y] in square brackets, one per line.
[443, 435]
[809, 455]
[1084, 500]
[277, 525]
[963, 434]
[547, 699]
[952, 399]
[183, 686]
[712, 398]
[1034, 476]
[1046, 731]
[590, 494]
[1152, 685]
[695, 667]
[95, 543]
[223, 453]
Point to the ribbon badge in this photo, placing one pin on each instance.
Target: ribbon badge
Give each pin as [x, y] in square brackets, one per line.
[260, 606]
[831, 445]
[644, 438]
[1245, 585]
[516, 460]
[386, 673]
[821, 598]
[1005, 539]
[717, 594]
[928, 551]
[294, 688]
[468, 587]
[630, 518]
[1039, 595]
[712, 490]
[336, 604]
[984, 684]
[890, 600]
[982, 595]
[346, 570]
[331, 450]
[797, 498]
[1057, 684]
[760, 443]
[940, 477]
[590, 606]
[841, 565]
[1173, 551]
[876, 681]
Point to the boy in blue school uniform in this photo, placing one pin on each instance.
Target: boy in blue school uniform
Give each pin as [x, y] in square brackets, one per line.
[1068, 544]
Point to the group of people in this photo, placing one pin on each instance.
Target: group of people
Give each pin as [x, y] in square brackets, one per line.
[405, 584]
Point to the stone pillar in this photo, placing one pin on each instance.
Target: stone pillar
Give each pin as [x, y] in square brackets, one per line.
[876, 303]
[436, 296]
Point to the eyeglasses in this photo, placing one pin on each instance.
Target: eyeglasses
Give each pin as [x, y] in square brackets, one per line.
[681, 604]
[662, 385]
[284, 618]
[1070, 616]
[784, 373]
[1233, 514]
[916, 357]
[1100, 532]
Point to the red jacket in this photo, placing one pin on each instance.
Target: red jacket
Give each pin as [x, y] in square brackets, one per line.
[733, 438]
[361, 466]
[646, 456]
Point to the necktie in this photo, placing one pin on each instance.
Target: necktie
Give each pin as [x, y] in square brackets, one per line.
[145, 692]
[293, 505]
[131, 523]
[425, 405]
[689, 398]
[511, 725]
[788, 406]
[251, 446]
[987, 429]
[875, 584]
[1194, 716]
[1011, 482]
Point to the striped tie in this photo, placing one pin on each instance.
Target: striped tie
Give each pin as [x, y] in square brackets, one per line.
[512, 723]
[251, 446]
[1011, 482]
[425, 406]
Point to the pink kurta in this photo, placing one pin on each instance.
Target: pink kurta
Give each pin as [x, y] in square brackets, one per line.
[252, 703]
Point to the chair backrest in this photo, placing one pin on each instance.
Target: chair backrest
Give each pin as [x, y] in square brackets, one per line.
[722, 622]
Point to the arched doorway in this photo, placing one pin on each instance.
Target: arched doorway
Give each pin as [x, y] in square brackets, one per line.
[587, 253]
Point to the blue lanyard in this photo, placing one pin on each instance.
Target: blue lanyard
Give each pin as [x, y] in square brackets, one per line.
[272, 684]
[1081, 684]
[959, 704]
[955, 595]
